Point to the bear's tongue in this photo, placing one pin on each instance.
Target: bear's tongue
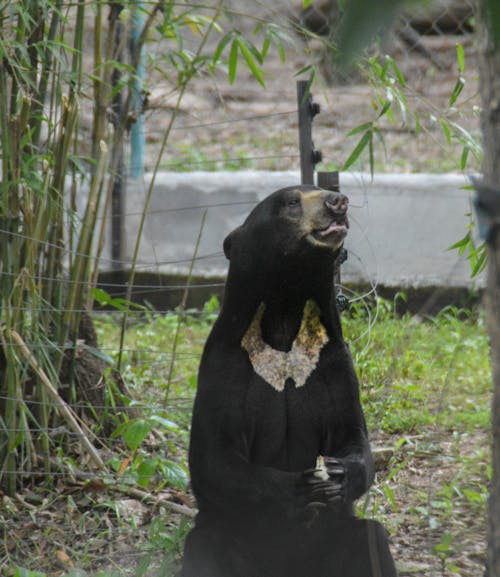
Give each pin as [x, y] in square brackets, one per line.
[334, 227]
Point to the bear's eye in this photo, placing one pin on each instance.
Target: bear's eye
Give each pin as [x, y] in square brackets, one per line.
[293, 201]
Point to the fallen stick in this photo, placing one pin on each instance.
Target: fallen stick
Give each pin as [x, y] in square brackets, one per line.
[149, 498]
[155, 500]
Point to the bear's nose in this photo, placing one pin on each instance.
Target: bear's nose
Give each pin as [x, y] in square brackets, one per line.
[337, 203]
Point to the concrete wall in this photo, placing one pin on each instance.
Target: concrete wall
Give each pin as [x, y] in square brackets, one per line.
[401, 225]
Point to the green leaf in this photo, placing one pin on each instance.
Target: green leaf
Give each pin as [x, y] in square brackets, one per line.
[457, 89]
[266, 45]
[378, 133]
[233, 61]
[165, 423]
[254, 51]
[467, 139]
[249, 58]
[360, 128]
[480, 261]
[355, 154]
[464, 157]
[220, 47]
[399, 74]
[390, 496]
[370, 154]
[306, 3]
[387, 105]
[282, 53]
[307, 68]
[461, 244]
[174, 473]
[460, 58]
[120, 304]
[417, 123]
[446, 130]
[145, 471]
[135, 432]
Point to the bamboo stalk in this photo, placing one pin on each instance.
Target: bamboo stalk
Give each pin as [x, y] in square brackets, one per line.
[79, 269]
[56, 398]
[149, 193]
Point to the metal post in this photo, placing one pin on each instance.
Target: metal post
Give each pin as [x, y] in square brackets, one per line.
[329, 180]
[307, 111]
[309, 157]
[137, 132]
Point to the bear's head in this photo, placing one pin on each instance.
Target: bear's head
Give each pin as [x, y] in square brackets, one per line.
[294, 224]
[281, 257]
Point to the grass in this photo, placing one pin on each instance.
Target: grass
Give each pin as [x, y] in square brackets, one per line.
[417, 373]
[426, 395]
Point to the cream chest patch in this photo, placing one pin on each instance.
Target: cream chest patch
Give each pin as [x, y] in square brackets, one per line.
[274, 366]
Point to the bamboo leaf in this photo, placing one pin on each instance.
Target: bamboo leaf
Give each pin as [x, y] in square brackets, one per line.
[233, 61]
[266, 45]
[360, 128]
[480, 261]
[446, 130]
[251, 48]
[460, 58]
[221, 46]
[461, 244]
[252, 65]
[305, 69]
[464, 157]
[378, 133]
[370, 154]
[457, 89]
[386, 106]
[355, 154]
[418, 126]
[399, 74]
[281, 52]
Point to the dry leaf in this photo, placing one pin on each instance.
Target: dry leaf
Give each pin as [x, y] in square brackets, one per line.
[64, 558]
[123, 466]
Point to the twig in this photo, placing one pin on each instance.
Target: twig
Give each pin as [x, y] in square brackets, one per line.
[54, 395]
[156, 500]
[138, 494]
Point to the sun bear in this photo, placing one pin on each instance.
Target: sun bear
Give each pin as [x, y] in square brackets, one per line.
[279, 448]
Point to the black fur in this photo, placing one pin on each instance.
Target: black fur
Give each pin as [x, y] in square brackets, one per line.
[262, 510]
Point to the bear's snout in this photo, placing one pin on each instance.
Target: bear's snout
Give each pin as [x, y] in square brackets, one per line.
[337, 203]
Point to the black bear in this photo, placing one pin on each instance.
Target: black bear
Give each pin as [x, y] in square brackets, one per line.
[279, 448]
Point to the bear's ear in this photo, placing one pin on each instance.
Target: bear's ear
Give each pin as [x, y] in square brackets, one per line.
[230, 241]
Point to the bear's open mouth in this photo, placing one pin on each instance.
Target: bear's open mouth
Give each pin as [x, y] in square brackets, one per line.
[339, 225]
